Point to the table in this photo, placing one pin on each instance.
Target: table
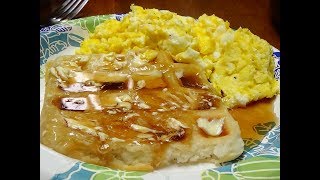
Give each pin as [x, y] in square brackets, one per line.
[255, 15]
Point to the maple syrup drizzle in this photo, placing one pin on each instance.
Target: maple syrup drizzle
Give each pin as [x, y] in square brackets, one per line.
[255, 114]
[191, 82]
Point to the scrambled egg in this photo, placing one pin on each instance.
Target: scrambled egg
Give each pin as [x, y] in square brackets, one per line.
[238, 63]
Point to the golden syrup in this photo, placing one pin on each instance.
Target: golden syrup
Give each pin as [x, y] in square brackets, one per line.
[259, 112]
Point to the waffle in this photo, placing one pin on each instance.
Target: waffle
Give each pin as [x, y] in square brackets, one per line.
[121, 111]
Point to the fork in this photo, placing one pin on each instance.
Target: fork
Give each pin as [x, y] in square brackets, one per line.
[68, 10]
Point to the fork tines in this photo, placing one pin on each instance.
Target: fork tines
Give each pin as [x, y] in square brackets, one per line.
[68, 10]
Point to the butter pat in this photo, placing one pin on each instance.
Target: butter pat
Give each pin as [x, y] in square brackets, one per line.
[142, 129]
[175, 124]
[213, 127]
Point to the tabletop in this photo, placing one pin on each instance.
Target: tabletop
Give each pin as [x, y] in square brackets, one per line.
[256, 15]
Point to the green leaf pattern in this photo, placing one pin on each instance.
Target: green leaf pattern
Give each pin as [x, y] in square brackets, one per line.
[216, 175]
[210, 174]
[103, 173]
[257, 168]
[88, 23]
[260, 167]
[250, 143]
[263, 128]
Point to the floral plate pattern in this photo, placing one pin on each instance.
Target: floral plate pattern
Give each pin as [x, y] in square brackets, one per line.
[260, 159]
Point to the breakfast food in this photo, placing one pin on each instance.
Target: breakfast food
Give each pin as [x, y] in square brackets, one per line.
[133, 113]
[238, 63]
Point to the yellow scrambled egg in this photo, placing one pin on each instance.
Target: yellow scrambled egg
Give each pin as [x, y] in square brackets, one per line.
[238, 63]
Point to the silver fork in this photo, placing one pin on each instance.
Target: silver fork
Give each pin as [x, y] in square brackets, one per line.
[68, 10]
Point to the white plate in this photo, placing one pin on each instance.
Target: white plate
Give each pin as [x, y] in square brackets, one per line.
[64, 39]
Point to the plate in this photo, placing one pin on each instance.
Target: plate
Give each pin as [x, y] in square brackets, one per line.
[260, 160]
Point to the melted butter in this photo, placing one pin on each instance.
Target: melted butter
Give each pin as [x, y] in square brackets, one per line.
[223, 133]
[259, 112]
